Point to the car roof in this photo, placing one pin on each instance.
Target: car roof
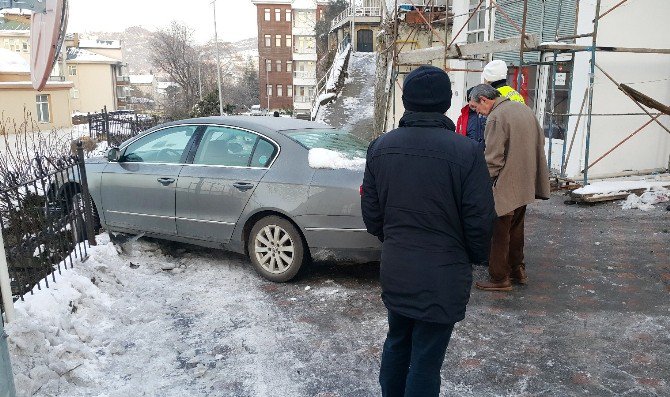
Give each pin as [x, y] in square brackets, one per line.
[255, 122]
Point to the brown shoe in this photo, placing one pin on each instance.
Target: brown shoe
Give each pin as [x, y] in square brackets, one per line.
[505, 285]
[519, 276]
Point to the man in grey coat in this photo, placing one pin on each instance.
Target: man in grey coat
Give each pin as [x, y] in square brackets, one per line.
[518, 168]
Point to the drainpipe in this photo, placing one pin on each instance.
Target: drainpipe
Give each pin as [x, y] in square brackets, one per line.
[6, 376]
[5, 285]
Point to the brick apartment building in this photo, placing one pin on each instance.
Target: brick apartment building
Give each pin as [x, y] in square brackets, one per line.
[287, 53]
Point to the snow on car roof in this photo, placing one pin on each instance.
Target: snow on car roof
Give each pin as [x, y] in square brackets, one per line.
[265, 122]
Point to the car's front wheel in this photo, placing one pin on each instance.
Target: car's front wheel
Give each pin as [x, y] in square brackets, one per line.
[276, 249]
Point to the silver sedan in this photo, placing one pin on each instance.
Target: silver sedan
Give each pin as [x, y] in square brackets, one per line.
[243, 184]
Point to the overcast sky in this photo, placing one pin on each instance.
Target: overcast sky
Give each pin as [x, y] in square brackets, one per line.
[236, 19]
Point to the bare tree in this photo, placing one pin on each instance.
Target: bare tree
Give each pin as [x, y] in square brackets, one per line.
[174, 53]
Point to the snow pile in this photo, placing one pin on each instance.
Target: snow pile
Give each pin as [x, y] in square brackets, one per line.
[11, 62]
[330, 159]
[618, 187]
[646, 201]
[337, 68]
[147, 323]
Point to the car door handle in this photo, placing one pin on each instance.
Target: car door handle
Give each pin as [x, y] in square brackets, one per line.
[165, 181]
[243, 186]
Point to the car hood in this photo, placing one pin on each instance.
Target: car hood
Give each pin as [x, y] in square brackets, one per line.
[96, 160]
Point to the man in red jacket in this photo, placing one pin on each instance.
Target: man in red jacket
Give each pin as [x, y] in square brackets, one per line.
[471, 124]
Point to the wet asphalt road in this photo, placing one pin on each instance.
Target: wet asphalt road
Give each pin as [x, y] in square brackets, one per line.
[593, 320]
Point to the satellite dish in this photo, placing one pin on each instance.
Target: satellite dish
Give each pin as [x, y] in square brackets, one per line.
[47, 33]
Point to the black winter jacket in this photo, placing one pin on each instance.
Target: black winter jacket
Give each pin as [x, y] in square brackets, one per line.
[427, 195]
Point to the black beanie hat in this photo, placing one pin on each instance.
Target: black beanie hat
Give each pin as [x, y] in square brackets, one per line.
[427, 89]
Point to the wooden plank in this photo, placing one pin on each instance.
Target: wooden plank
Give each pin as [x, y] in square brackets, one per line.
[426, 55]
[644, 99]
[599, 197]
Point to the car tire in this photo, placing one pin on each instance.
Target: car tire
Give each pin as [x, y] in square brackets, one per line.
[78, 223]
[276, 249]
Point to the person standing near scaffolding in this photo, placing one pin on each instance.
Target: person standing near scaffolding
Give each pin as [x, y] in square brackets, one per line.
[518, 168]
[471, 124]
[495, 74]
[427, 196]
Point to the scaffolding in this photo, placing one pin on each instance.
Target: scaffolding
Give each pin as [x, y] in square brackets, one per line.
[525, 43]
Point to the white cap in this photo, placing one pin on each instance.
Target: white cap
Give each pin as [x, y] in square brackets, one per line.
[494, 71]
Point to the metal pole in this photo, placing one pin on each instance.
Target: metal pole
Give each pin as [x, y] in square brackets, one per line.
[218, 62]
[592, 76]
[553, 110]
[354, 39]
[519, 76]
[5, 284]
[267, 83]
[200, 76]
[7, 388]
[88, 211]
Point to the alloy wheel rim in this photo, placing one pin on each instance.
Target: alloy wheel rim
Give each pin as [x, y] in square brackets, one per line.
[274, 249]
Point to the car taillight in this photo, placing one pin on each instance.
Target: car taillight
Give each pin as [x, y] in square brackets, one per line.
[360, 190]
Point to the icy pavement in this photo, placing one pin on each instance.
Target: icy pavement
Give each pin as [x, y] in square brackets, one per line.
[176, 320]
[354, 107]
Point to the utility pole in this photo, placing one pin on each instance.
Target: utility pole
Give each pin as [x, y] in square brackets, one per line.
[218, 61]
[267, 83]
[200, 75]
[353, 26]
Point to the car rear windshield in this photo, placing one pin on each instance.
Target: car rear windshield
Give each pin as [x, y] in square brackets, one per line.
[336, 140]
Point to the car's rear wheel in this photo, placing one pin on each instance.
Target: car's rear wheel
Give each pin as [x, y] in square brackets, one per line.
[276, 249]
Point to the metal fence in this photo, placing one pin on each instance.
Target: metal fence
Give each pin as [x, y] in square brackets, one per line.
[116, 127]
[44, 220]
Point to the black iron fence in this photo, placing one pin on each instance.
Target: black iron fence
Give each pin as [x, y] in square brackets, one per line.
[46, 221]
[116, 127]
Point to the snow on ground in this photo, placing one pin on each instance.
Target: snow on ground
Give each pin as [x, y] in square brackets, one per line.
[619, 186]
[144, 322]
[325, 158]
[646, 201]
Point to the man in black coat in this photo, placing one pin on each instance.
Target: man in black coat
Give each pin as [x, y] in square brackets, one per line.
[427, 196]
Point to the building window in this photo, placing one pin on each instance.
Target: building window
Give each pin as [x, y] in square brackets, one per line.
[43, 115]
[74, 93]
[267, 14]
[289, 66]
[269, 91]
[288, 15]
[268, 65]
[25, 46]
[278, 40]
[289, 91]
[288, 40]
[72, 70]
[278, 66]
[477, 24]
[268, 40]
[277, 14]
[280, 90]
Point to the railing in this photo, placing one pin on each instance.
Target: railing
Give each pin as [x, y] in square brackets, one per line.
[304, 50]
[122, 79]
[57, 78]
[360, 12]
[116, 127]
[300, 74]
[302, 99]
[44, 219]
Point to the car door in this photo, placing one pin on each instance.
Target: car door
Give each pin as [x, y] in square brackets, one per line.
[138, 191]
[216, 185]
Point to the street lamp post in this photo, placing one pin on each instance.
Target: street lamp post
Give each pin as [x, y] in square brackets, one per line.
[218, 61]
[200, 75]
[267, 83]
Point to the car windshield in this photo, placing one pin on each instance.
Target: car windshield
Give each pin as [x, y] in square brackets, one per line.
[336, 140]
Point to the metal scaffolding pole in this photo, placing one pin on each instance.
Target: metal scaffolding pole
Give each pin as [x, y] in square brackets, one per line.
[592, 76]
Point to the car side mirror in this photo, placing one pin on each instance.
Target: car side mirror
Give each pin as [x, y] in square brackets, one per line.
[114, 154]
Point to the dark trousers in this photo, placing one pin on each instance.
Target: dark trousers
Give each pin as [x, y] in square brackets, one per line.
[507, 245]
[412, 358]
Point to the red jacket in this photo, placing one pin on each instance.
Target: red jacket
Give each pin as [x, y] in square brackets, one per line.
[462, 122]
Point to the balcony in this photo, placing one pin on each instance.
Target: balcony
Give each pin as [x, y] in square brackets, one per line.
[368, 14]
[306, 78]
[121, 80]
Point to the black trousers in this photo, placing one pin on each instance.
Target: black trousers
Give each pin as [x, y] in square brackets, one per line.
[412, 358]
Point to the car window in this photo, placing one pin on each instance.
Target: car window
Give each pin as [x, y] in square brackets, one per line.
[263, 154]
[336, 140]
[225, 146]
[163, 146]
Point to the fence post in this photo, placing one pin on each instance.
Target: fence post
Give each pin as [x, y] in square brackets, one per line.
[6, 375]
[5, 283]
[88, 211]
[90, 128]
[105, 123]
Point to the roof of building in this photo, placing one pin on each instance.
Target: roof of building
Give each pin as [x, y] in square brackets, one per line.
[97, 43]
[11, 62]
[12, 19]
[78, 55]
[142, 79]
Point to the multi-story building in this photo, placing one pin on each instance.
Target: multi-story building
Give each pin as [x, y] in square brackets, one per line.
[287, 53]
